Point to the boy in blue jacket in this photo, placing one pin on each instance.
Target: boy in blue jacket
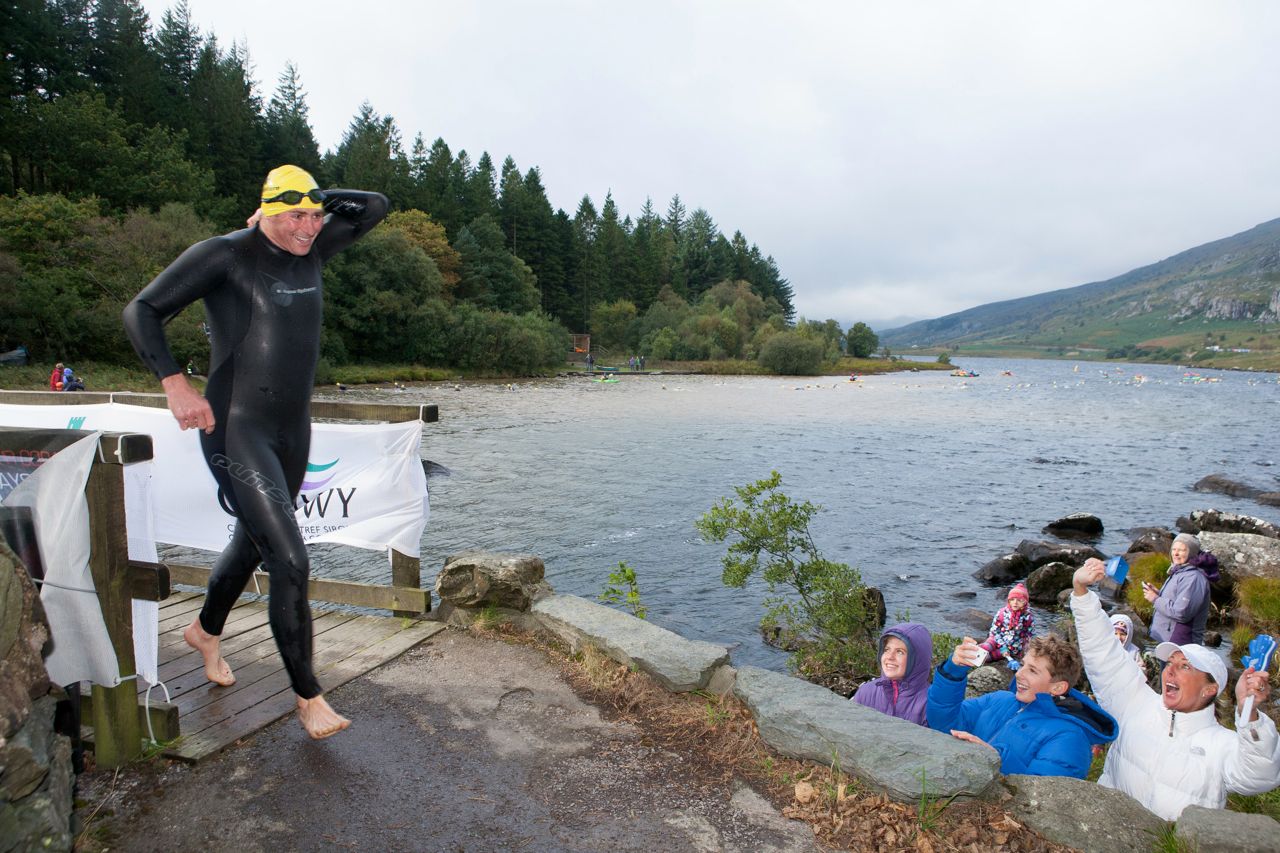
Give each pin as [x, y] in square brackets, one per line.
[1044, 729]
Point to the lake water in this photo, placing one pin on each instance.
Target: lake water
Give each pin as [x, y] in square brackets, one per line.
[922, 477]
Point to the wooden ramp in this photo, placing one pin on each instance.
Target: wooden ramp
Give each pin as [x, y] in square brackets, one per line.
[212, 718]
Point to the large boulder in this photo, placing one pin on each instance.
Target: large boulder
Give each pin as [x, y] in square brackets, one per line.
[1044, 584]
[1150, 540]
[1039, 552]
[1221, 484]
[1010, 567]
[1244, 555]
[891, 755]
[481, 579]
[1217, 521]
[674, 662]
[1221, 831]
[1083, 815]
[35, 764]
[991, 678]
[1075, 526]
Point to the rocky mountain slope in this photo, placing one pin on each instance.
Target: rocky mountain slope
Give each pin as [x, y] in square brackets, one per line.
[1225, 293]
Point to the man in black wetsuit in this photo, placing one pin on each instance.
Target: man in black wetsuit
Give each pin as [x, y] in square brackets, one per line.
[262, 292]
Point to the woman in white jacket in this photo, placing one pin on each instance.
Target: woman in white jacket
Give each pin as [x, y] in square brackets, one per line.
[1172, 752]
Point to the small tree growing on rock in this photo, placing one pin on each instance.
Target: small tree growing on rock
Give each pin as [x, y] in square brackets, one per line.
[820, 606]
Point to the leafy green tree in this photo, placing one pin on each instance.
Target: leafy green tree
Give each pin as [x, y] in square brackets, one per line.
[384, 300]
[80, 146]
[791, 354]
[861, 341]
[428, 235]
[492, 277]
[612, 325]
[821, 605]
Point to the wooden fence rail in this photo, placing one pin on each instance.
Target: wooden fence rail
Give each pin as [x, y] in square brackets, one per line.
[114, 710]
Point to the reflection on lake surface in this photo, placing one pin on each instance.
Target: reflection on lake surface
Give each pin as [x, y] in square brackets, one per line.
[923, 477]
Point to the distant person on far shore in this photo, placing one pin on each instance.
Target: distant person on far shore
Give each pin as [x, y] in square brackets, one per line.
[71, 382]
[906, 659]
[55, 378]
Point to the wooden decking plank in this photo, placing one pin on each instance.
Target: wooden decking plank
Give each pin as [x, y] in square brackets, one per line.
[182, 618]
[244, 614]
[186, 673]
[250, 664]
[180, 602]
[260, 683]
[335, 673]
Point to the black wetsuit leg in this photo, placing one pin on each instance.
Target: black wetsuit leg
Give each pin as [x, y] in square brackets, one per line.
[261, 489]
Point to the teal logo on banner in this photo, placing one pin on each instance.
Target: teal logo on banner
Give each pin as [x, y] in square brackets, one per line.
[76, 423]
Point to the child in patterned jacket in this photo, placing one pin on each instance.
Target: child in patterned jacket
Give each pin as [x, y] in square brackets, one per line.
[1011, 628]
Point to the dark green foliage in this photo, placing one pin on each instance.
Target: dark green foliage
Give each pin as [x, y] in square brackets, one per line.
[792, 354]
[823, 605]
[96, 103]
[492, 277]
[860, 341]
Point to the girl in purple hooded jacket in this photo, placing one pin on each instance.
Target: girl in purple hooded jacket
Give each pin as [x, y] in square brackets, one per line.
[906, 659]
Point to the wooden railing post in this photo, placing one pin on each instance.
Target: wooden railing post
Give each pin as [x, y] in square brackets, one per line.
[117, 737]
[406, 571]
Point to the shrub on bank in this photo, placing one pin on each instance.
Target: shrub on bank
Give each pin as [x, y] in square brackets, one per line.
[1152, 568]
[792, 354]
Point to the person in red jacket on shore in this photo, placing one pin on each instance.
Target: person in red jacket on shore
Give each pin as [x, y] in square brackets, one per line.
[55, 378]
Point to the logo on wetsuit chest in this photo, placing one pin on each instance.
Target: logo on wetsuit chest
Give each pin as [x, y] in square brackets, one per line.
[282, 293]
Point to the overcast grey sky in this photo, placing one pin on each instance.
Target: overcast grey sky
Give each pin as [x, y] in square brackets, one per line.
[896, 158]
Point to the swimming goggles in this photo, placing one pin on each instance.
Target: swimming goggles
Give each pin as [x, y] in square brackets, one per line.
[295, 197]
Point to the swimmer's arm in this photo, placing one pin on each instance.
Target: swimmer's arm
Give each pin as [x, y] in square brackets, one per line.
[195, 273]
[352, 214]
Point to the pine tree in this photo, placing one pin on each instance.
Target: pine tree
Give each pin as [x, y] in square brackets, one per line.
[289, 137]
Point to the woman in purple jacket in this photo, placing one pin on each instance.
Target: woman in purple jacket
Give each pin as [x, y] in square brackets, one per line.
[906, 659]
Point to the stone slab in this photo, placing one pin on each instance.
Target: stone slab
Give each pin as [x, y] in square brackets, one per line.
[899, 758]
[1222, 831]
[1083, 815]
[677, 664]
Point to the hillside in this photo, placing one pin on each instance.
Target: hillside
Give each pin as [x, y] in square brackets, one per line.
[1224, 294]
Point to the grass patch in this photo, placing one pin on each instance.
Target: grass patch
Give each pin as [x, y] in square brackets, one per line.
[1260, 599]
[1152, 568]
[97, 376]
[718, 739]
[1241, 635]
[1267, 804]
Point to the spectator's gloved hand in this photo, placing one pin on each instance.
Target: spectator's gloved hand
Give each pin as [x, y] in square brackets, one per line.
[1261, 649]
[1014, 666]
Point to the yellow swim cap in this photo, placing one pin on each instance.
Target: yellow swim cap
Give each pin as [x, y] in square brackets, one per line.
[290, 188]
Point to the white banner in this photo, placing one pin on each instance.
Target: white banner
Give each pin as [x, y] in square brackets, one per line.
[364, 484]
[54, 491]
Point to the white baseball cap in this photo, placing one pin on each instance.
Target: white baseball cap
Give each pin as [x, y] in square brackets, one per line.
[1200, 658]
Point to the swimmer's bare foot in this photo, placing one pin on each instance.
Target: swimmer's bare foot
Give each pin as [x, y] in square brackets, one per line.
[319, 718]
[215, 668]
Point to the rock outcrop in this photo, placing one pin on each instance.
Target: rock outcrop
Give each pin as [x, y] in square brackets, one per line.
[1032, 554]
[1083, 815]
[1223, 485]
[35, 763]
[676, 663]
[1010, 567]
[1150, 540]
[1244, 555]
[1217, 521]
[891, 755]
[477, 579]
[1044, 584]
[1075, 526]
[1222, 831]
